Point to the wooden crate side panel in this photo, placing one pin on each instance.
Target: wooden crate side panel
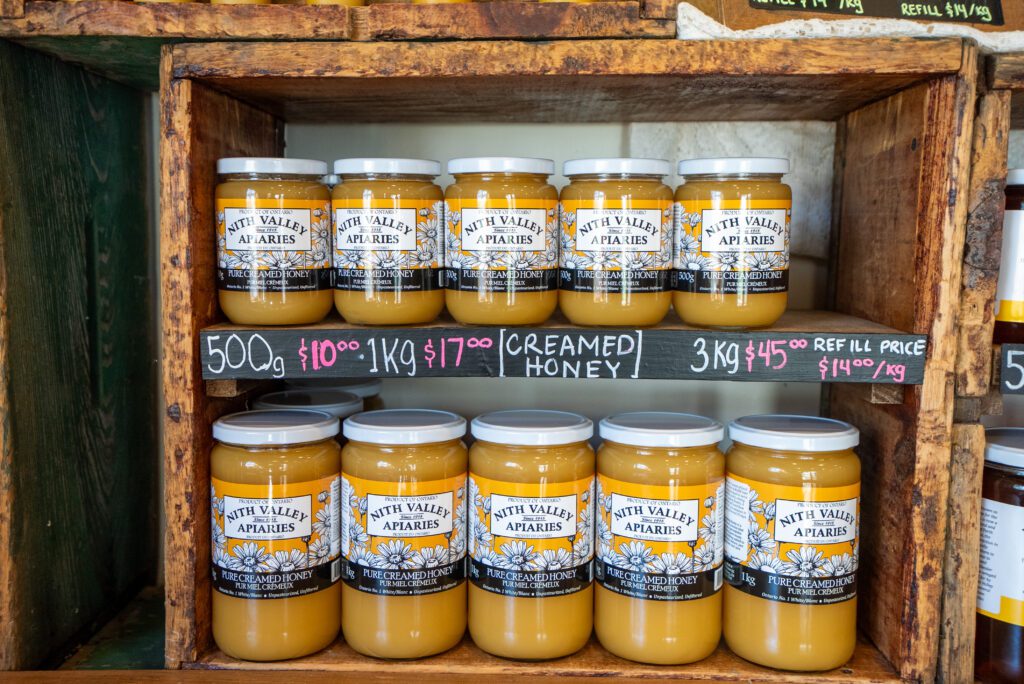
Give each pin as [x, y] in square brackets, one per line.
[81, 351]
[12, 9]
[8, 566]
[960, 574]
[906, 162]
[198, 126]
[986, 202]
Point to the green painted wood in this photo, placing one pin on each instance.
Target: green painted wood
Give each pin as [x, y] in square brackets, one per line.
[82, 360]
[134, 640]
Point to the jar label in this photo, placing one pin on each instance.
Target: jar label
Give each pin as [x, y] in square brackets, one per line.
[1010, 286]
[531, 540]
[732, 247]
[403, 538]
[273, 245]
[1001, 576]
[611, 248]
[501, 246]
[792, 544]
[387, 245]
[659, 542]
[275, 541]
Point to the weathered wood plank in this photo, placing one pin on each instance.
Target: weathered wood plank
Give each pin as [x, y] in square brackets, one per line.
[1006, 71]
[11, 8]
[79, 436]
[986, 202]
[8, 564]
[198, 125]
[466, 662]
[960, 572]
[641, 80]
[906, 157]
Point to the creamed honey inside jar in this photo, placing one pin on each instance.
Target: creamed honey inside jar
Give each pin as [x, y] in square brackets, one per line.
[273, 221]
[275, 533]
[501, 248]
[732, 242]
[792, 522]
[404, 532]
[660, 516]
[388, 218]
[531, 533]
[616, 242]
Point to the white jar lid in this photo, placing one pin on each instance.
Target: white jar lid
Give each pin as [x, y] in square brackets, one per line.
[272, 165]
[501, 165]
[1005, 446]
[1015, 177]
[623, 166]
[337, 403]
[330, 179]
[733, 165]
[275, 428]
[531, 427]
[794, 433]
[404, 426]
[361, 387]
[401, 167]
[661, 429]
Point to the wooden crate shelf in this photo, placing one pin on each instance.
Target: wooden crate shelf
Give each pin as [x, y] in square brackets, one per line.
[904, 117]
[804, 346]
[466, 661]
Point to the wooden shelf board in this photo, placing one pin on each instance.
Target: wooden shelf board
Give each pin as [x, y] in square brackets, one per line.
[466, 660]
[566, 81]
[802, 341]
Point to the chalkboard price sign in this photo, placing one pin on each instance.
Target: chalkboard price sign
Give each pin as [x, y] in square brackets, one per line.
[988, 12]
[231, 353]
[1011, 371]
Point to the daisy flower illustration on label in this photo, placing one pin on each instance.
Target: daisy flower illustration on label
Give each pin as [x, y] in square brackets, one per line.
[404, 538]
[531, 540]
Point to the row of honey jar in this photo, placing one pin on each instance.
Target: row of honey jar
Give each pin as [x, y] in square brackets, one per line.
[502, 246]
[403, 539]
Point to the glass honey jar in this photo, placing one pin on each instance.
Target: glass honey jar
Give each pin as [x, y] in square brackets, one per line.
[273, 221]
[501, 245]
[999, 639]
[792, 539]
[616, 242]
[660, 521]
[1009, 307]
[368, 389]
[732, 242]
[531, 533]
[339, 404]
[388, 218]
[275, 534]
[404, 532]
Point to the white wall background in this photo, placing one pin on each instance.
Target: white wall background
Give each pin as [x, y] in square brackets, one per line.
[808, 144]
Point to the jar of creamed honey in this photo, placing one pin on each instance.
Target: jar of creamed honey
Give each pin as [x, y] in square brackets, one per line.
[792, 532]
[531, 533]
[388, 218]
[1009, 308]
[501, 247]
[403, 489]
[273, 241]
[660, 520]
[999, 641]
[732, 242]
[368, 389]
[335, 402]
[276, 541]
[348, 3]
[616, 244]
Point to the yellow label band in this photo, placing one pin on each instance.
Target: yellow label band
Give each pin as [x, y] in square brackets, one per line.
[404, 538]
[275, 541]
[792, 544]
[531, 540]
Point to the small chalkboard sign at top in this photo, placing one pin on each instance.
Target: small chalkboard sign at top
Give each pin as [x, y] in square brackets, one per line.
[989, 12]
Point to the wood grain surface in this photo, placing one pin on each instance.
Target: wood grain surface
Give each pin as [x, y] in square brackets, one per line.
[467, 662]
[79, 440]
[198, 126]
[585, 80]
[982, 253]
